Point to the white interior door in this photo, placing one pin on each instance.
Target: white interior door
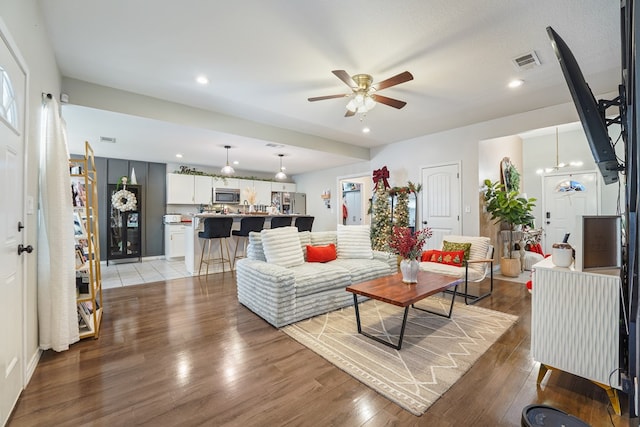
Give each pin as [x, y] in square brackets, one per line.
[12, 125]
[441, 202]
[562, 205]
[352, 202]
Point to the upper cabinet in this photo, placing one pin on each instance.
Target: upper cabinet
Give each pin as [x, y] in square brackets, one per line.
[180, 189]
[223, 182]
[287, 187]
[202, 186]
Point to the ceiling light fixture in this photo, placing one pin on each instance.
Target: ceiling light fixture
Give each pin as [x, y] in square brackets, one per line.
[366, 130]
[516, 83]
[361, 102]
[559, 165]
[203, 80]
[227, 170]
[281, 174]
[179, 155]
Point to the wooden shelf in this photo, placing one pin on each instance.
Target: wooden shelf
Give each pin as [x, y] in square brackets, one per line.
[88, 276]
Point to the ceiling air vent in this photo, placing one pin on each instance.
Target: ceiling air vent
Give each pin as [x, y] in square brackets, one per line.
[527, 61]
[108, 139]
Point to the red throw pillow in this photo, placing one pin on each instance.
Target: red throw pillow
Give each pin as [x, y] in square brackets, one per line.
[430, 256]
[451, 258]
[321, 253]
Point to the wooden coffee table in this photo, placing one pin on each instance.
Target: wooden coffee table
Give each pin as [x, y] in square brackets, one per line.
[392, 290]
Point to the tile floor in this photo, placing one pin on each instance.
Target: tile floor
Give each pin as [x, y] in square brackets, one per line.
[135, 273]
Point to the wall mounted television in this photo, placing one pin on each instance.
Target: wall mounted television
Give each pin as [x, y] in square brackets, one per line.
[598, 243]
[592, 118]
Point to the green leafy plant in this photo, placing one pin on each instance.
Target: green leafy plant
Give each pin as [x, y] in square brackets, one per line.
[508, 206]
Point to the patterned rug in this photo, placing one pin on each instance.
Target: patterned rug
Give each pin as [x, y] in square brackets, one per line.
[435, 353]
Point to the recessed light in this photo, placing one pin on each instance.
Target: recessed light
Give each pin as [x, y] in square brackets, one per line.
[203, 80]
[366, 130]
[235, 162]
[516, 83]
[179, 155]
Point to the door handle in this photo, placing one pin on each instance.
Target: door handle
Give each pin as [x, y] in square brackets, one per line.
[424, 222]
[20, 226]
[28, 249]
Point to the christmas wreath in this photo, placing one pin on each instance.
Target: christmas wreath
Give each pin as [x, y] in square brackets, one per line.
[124, 200]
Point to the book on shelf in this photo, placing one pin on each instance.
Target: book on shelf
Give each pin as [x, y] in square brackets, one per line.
[86, 316]
[78, 225]
[78, 193]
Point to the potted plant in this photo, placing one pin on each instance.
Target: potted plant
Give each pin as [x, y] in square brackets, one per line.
[512, 209]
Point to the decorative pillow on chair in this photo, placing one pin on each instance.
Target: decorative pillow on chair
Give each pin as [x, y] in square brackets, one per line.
[430, 256]
[321, 253]
[451, 258]
[354, 241]
[454, 247]
[282, 246]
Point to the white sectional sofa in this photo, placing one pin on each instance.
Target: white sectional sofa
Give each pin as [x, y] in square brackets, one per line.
[276, 282]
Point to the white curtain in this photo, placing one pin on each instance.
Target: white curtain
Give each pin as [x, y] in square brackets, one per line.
[57, 315]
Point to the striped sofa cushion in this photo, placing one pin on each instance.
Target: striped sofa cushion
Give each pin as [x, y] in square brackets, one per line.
[354, 242]
[282, 246]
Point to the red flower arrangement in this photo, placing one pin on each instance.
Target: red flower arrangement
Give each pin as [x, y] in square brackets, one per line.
[407, 244]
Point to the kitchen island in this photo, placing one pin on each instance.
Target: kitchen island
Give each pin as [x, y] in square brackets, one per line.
[193, 245]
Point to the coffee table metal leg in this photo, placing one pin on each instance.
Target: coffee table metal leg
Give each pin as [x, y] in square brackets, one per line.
[381, 341]
[448, 316]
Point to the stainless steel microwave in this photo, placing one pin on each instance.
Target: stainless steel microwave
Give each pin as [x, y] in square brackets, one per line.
[226, 196]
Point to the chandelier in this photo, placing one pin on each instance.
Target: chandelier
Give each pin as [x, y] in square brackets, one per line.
[227, 169]
[281, 175]
[559, 165]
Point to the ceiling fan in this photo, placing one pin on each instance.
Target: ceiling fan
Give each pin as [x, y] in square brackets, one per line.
[363, 96]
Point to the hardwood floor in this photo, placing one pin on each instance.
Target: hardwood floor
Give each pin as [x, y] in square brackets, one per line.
[185, 352]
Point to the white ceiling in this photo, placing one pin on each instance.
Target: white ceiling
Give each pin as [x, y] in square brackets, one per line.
[265, 58]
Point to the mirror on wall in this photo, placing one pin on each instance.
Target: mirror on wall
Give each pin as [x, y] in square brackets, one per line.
[355, 192]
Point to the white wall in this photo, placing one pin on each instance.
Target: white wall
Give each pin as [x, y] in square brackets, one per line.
[26, 27]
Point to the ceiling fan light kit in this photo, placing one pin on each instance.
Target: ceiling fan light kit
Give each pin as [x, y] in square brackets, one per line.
[363, 99]
[227, 169]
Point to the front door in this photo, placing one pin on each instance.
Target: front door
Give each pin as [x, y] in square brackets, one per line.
[565, 198]
[13, 79]
[441, 202]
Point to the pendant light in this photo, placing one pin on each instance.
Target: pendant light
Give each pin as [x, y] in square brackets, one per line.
[227, 170]
[281, 174]
[559, 165]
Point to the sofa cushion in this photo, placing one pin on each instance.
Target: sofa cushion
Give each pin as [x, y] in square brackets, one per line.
[362, 270]
[450, 270]
[255, 249]
[454, 258]
[305, 239]
[313, 277]
[321, 253]
[282, 246]
[354, 242]
[324, 238]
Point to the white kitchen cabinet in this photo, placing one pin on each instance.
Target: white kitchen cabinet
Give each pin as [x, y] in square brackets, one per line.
[202, 186]
[220, 182]
[174, 240]
[287, 187]
[180, 188]
[263, 192]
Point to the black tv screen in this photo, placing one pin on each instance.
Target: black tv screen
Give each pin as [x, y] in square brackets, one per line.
[591, 118]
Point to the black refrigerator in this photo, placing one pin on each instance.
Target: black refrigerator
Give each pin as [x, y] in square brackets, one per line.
[124, 226]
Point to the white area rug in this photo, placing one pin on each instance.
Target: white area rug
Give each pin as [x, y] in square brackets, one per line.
[435, 353]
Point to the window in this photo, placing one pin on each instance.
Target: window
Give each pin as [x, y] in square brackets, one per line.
[8, 109]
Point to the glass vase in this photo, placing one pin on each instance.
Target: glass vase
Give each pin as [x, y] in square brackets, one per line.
[409, 270]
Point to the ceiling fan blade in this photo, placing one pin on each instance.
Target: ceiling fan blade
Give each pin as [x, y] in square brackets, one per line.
[349, 113]
[320, 98]
[345, 77]
[388, 101]
[392, 81]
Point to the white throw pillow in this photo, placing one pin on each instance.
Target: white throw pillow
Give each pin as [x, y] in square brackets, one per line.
[354, 241]
[282, 246]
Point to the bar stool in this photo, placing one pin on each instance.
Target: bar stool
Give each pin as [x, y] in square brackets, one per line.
[220, 229]
[247, 225]
[281, 221]
[304, 223]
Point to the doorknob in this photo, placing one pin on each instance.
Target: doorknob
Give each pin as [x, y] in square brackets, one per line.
[28, 249]
[424, 222]
[20, 226]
